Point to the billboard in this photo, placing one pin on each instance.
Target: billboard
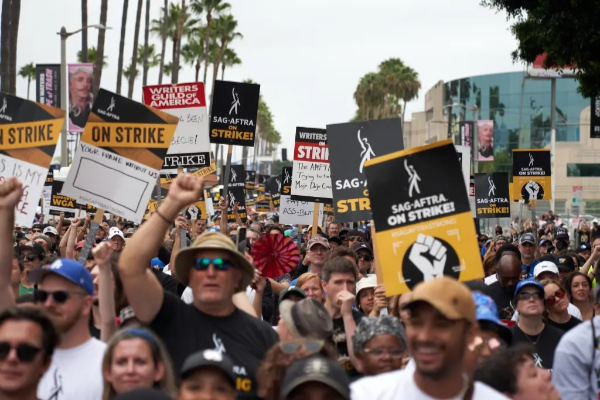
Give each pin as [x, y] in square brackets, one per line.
[485, 133]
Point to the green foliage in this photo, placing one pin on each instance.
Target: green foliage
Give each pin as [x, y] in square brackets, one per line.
[27, 71]
[278, 165]
[567, 31]
[91, 56]
[153, 58]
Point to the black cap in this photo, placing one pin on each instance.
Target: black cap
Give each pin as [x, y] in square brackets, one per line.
[527, 238]
[562, 236]
[316, 369]
[209, 358]
[36, 247]
[143, 394]
[565, 263]
[37, 226]
[362, 246]
[357, 232]
[584, 247]
[335, 239]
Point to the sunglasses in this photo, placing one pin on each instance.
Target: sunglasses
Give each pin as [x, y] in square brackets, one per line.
[220, 264]
[358, 239]
[36, 230]
[59, 296]
[364, 257]
[310, 347]
[527, 296]
[25, 352]
[28, 257]
[551, 300]
[394, 352]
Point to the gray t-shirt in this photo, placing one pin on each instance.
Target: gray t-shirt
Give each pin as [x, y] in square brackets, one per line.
[576, 369]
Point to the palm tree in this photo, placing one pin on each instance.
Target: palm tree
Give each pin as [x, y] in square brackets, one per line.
[153, 59]
[168, 68]
[136, 36]
[84, 37]
[146, 48]
[160, 28]
[27, 71]
[230, 58]
[225, 27]
[122, 44]
[92, 54]
[11, 12]
[193, 51]
[131, 73]
[177, 42]
[99, 63]
[402, 81]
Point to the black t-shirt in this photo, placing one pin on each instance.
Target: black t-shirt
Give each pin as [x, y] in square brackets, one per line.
[245, 339]
[584, 237]
[545, 343]
[169, 283]
[339, 338]
[565, 326]
[501, 298]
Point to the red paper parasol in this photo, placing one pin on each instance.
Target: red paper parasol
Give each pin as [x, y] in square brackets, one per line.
[275, 255]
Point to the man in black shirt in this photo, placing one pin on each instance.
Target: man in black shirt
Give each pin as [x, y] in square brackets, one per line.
[215, 271]
[531, 329]
[509, 274]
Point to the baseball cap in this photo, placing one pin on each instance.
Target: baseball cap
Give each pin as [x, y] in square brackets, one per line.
[527, 238]
[452, 299]
[562, 236]
[500, 237]
[214, 241]
[71, 270]
[38, 248]
[316, 369]
[565, 263]
[50, 230]
[291, 290]
[269, 222]
[363, 246]
[307, 318]
[114, 231]
[318, 240]
[364, 283]
[584, 247]
[37, 226]
[488, 311]
[545, 266]
[209, 358]
[356, 232]
[529, 282]
[143, 394]
[335, 239]
[544, 241]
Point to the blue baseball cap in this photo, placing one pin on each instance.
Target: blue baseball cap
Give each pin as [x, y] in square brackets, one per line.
[156, 263]
[71, 270]
[487, 311]
[529, 282]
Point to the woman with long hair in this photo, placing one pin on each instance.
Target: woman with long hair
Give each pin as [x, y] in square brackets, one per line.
[557, 302]
[579, 289]
[136, 358]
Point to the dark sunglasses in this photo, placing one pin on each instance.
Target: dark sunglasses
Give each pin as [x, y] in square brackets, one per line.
[527, 296]
[36, 230]
[25, 352]
[28, 257]
[220, 264]
[551, 300]
[355, 239]
[364, 257]
[59, 296]
[310, 347]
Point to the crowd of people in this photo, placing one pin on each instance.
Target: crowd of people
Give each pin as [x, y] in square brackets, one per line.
[144, 318]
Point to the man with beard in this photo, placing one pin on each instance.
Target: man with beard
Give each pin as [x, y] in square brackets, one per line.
[509, 274]
[441, 324]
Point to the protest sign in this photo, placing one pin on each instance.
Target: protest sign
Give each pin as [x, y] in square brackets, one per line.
[190, 146]
[262, 183]
[28, 135]
[274, 188]
[491, 191]
[250, 179]
[472, 195]
[233, 113]
[237, 192]
[60, 203]
[47, 193]
[119, 156]
[286, 180]
[424, 228]
[531, 175]
[196, 211]
[296, 212]
[350, 146]
[263, 207]
[311, 179]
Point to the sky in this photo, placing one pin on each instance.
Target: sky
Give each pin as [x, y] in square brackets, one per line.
[307, 55]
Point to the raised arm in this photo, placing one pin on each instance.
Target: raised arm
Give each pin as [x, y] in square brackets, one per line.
[63, 243]
[72, 240]
[11, 191]
[106, 294]
[61, 219]
[141, 286]
[180, 222]
[223, 201]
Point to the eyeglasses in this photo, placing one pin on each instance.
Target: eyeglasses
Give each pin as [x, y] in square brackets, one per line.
[59, 296]
[394, 352]
[28, 257]
[220, 264]
[310, 347]
[358, 239]
[25, 352]
[527, 296]
[551, 300]
[364, 257]
[36, 230]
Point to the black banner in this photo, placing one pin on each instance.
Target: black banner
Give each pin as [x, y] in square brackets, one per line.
[60, 203]
[274, 188]
[286, 180]
[233, 113]
[492, 195]
[237, 192]
[47, 84]
[350, 146]
[595, 118]
[250, 180]
[466, 132]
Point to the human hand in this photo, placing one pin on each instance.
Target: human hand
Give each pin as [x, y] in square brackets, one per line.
[74, 222]
[345, 300]
[381, 300]
[223, 203]
[61, 217]
[11, 192]
[185, 190]
[236, 208]
[102, 254]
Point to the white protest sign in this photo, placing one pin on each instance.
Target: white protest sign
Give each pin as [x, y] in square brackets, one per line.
[296, 212]
[311, 176]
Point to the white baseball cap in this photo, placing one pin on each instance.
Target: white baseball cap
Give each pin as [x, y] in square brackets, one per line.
[114, 231]
[545, 266]
[50, 229]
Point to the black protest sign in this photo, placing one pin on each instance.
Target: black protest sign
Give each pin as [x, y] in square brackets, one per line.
[350, 146]
[274, 188]
[312, 176]
[286, 180]
[492, 195]
[233, 113]
[250, 179]
[237, 192]
[532, 175]
[262, 182]
[595, 118]
[60, 203]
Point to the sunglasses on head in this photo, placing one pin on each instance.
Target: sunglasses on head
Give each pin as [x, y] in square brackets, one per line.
[219, 264]
[310, 347]
[551, 300]
[59, 296]
[355, 239]
[28, 257]
[25, 352]
[528, 295]
[364, 257]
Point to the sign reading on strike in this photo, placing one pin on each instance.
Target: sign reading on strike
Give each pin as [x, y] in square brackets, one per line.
[233, 113]
[492, 193]
[423, 224]
[237, 193]
[250, 179]
[531, 175]
[312, 177]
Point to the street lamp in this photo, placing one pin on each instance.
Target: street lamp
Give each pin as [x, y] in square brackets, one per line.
[64, 158]
[475, 141]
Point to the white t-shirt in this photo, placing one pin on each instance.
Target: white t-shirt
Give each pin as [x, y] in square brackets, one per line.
[75, 374]
[401, 385]
[491, 279]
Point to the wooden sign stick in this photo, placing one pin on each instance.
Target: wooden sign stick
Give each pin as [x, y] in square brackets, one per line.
[182, 233]
[377, 263]
[315, 223]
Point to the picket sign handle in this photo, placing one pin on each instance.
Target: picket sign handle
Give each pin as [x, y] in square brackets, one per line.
[91, 237]
[315, 223]
[182, 233]
[377, 261]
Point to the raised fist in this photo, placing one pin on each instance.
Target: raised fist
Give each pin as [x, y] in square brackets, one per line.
[428, 244]
[193, 211]
[532, 189]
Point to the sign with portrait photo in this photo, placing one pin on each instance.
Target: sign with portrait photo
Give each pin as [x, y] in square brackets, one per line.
[423, 222]
[531, 171]
[492, 195]
[311, 179]
[81, 95]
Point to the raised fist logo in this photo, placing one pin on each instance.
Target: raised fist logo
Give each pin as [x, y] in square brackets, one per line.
[532, 189]
[193, 211]
[437, 254]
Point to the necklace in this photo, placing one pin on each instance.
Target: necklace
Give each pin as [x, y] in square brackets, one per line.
[538, 336]
[465, 388]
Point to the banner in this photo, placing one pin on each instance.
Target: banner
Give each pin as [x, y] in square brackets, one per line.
[595, 118]
[274, 188]
[250, 180]
[492, 193]
[47, 193]
[81, 97]
[485, 132]
[119, 156]
[233, 113]
[237, 192]
[531, 171]
[424, 228]
[190, 146]
[47, 78]
[466, 132]
[312, 177]
[60, 203]
[29, 132]
[350, 146]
